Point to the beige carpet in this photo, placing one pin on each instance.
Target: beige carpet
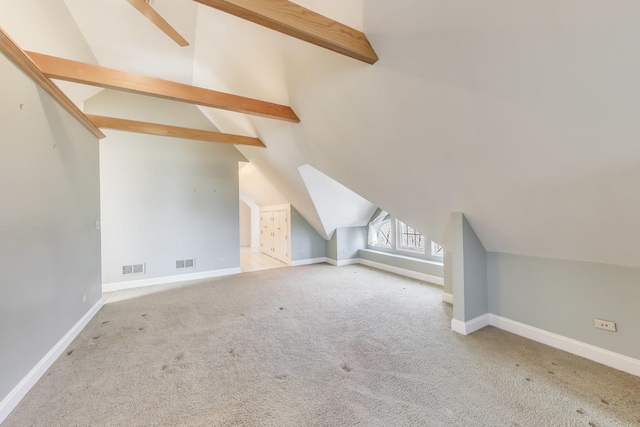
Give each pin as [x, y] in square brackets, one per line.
[313, 346]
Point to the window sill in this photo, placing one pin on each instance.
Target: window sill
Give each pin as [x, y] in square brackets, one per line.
[422, 260]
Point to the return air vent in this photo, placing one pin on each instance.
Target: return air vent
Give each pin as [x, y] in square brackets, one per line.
[184, 264]
[133, 269]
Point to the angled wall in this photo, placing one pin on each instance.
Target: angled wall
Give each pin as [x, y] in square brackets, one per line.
[564, 297]
[49, 245]
[468, 272]
[306, 242]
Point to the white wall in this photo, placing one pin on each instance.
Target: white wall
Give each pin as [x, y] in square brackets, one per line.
[165, 199]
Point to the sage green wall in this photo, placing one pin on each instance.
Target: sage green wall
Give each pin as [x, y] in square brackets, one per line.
[468, 269]
[165, 199]
[564, 297]
[49, 245]
[419, 266]
[475, 274]
[331, 246]
[448, 271]
[346, 243]
[350, 241]
[306, 243]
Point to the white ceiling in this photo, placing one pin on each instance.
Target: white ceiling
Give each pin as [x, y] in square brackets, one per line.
[258, 189]
[122, 38]
[521, 115]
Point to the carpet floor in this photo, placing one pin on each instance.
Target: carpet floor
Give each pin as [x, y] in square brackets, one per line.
[313, 346]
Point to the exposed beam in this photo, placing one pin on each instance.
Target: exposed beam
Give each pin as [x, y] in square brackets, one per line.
[22, 61]
[304, 24]
[172, 131]
[143, 7]
[79, 72]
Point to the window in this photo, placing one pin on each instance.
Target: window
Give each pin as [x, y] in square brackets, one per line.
[436, 249]
[389, 234]
[384, 234]
[380, 231]
[409, 239]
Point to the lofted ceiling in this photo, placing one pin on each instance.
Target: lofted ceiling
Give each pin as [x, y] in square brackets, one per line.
[520, 115]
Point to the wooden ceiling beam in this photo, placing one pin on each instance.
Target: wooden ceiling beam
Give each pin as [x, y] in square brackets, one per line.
[15, 54]
[79, 72]
[172, 131]
[143, 7]
[304, 24]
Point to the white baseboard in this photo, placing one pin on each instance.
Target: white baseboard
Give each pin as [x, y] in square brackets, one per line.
[403, 272]
[308, 261]
[343, 262]
[118, 286]
[466, 328]
[588, 351]
[448, 298]
[14, 397]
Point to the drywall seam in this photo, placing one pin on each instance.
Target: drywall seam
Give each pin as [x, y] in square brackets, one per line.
[588, 351]
[14, 397]
[118, 286]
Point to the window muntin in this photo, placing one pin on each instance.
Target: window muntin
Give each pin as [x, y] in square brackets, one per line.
[437, 250]
[408, 238]
[383, 234]
[380, 231]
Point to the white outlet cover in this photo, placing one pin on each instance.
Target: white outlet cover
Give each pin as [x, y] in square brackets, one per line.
[607, 325]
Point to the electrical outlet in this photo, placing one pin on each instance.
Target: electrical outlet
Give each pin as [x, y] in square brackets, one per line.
[607, 325]
[222, 259]
[84, 298]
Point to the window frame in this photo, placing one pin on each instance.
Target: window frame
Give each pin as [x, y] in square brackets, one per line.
[391, 234]
[408, 249]
[435, 252]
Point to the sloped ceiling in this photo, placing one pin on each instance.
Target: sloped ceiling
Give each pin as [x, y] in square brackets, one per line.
[520, 115]
[254, 185]
[47, 26]
[122, 38]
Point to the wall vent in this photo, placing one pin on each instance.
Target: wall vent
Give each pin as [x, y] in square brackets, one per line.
[184, 264]
[133, 269]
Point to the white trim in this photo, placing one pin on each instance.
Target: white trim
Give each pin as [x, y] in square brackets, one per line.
[14, 397]
[466, 328]
[352, 261]
[308, 261]
[414, 259]
[403, 272]
[118, 286]
[331, 261]
[448, 298]
[588, 351]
